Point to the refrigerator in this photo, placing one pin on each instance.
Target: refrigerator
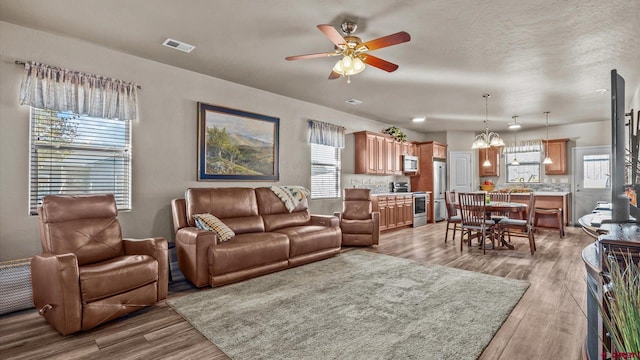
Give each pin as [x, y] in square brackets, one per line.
[439, 188]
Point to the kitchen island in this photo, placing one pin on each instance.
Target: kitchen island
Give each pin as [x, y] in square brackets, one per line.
[548, 199]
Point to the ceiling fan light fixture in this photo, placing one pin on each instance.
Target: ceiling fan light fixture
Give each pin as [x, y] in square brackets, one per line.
[348, 66]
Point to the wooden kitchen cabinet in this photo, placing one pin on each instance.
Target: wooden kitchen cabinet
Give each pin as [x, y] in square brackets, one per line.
[378, 154]
[395, 210]
[557, 151]
[426, 152]
[439, 151]
[493, 154]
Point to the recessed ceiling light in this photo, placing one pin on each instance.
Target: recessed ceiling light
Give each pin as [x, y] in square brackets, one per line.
[353, 101]
[178, 45]
[419, 119]
[601, 91]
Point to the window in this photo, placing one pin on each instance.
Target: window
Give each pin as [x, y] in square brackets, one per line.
[74, 154]
[325, 171]
[529, 169]
[596, 171]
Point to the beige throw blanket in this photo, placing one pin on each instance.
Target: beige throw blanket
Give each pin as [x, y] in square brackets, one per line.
[290, 195]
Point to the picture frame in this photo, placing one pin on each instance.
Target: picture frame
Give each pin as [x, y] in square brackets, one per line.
[237, 145]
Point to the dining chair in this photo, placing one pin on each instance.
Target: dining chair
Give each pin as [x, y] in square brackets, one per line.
[453, 218]
[499, 197]
[473, 218]
[523, 228]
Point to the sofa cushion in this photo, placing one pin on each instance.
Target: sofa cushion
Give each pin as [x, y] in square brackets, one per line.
[236, 207]
[356, 226]
[275, 215]
[212, 223]
[311, 238]
[246, 251]
[133, 271]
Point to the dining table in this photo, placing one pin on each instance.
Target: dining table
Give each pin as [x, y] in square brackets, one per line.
[503, 207]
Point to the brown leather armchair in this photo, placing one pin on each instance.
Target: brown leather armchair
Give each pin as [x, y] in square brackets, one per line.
[87, 274]
[360, 226]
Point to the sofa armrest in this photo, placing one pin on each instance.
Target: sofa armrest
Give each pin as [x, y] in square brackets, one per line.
[338, 215]
[55, 280]
[158, 249]
[192, 247]
[325, 220]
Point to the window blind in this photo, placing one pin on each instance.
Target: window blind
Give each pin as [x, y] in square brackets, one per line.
[73, 155]
[325, 171]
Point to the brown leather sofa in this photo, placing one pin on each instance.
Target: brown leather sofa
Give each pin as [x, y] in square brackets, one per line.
[87, 273]
[267, 237]
[360, 226]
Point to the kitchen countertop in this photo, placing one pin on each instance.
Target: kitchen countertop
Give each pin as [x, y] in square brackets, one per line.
[546, 193]
[400, 193]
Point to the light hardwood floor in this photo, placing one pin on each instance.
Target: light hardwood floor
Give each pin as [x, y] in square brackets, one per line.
[547, 323]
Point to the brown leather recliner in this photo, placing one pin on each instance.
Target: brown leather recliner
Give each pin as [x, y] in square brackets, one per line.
[360, 226]
[87, 274]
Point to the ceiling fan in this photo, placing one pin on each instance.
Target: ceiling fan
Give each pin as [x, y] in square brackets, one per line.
[354, 52]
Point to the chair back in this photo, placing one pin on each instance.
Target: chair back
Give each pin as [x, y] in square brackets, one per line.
[356, 204]
[85, 225]
[472, 209]
[449, 200]
[500, 196]
[531, 210]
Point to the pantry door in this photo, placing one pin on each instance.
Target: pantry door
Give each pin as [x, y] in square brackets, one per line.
[460, 176]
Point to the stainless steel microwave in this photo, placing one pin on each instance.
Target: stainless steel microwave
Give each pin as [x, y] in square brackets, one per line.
[409, 163]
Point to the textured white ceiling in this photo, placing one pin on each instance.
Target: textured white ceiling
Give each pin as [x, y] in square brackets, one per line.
[530, 55]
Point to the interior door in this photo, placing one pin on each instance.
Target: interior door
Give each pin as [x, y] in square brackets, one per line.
[460, 176]
[591, 178]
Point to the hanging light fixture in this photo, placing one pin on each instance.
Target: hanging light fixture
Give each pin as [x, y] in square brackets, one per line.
[487, 139]
[349, 65]
[547, 160]
[515, 140]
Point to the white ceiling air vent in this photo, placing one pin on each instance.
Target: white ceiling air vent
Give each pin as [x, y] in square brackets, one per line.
[178, 45]
[353, 101]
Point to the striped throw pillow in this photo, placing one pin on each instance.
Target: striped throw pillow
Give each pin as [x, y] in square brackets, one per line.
[212, 223]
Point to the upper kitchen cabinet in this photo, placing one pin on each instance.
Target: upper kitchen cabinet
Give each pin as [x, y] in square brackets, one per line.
[378, 154]
[439, 150]
[493, 155]
[557, 151]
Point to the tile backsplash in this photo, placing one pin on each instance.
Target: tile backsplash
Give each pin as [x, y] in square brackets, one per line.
[378, 184]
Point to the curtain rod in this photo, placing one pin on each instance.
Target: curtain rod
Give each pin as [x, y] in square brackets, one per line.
[18, 62]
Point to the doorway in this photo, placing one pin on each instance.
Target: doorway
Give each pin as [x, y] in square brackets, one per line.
[591, 178]
[460, 175]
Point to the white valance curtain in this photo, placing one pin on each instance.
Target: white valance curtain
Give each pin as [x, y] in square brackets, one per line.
[326, 134]
[53, 88]
[524, 146]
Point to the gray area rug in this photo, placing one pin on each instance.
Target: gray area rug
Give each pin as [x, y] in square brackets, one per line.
[357, 305]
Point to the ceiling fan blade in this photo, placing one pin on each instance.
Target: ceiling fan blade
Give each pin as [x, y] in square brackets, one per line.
[388, 40]
[334, 75]
[333, 34]
[379, 63]
[310, 56]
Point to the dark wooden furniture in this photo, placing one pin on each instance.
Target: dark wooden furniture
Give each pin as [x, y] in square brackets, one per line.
[493, 155]
[522, 227]
[453, 218]
[548, 200]
[473, 211]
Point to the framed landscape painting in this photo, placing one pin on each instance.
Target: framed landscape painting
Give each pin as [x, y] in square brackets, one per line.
[236, 145]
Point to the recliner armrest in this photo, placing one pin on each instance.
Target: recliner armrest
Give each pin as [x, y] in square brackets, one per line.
[325, 220]
[55, 280]
[338, 215]
[157, 248]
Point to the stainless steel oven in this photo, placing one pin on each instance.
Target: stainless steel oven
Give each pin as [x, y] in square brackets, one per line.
[419, 208]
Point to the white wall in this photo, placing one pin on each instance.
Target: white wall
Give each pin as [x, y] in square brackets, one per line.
[164, 138]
